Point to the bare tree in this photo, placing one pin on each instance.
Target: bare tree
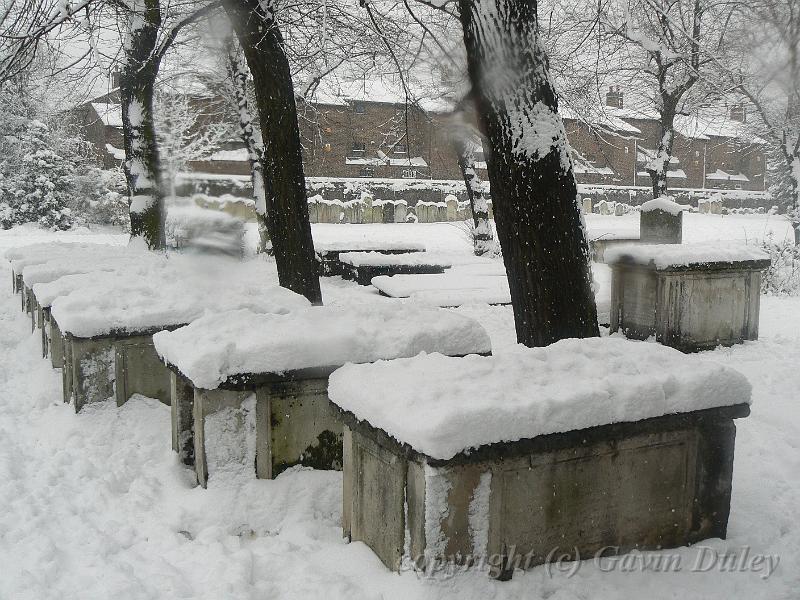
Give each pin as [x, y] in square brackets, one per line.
[256, 27]
[534, 193]
[769, 77]
[250, 136]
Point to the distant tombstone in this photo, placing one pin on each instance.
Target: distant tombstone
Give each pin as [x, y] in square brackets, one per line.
[441, 212]
[313, 214]
[452, 207]
[619, 209]
[661, 222]
[716, 206]
[587, 206]
[400, 210]
[604, 208]
[704, 205]
[422, 212]
[388, 211]
[366, 201]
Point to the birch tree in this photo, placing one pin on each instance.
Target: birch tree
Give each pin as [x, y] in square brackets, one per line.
[250, 136]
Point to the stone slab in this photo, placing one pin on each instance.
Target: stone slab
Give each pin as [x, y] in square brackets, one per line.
[582, 491]
[139, 370]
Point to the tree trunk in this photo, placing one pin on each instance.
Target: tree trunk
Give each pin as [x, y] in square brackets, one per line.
[534, 193]
[237, 71]
[658, 167]
[286, 202]
[141, 165]
[482, 237]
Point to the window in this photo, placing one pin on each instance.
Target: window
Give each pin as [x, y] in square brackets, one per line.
[408, 174]
[697, 153]
[359, 148]
[626, 149]
[400, 149]
[367, 172]
[359, 108]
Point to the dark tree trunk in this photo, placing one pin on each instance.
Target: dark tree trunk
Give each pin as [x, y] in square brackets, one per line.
[286, 202]
[142, 165]
[237, 71]
[481, 227]
[534, 194]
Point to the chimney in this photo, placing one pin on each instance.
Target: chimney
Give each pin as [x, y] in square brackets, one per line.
[115, 75]
[739, 113]
[614, 97]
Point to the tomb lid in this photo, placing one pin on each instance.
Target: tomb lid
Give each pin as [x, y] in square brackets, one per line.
[379, 259]
[365, 245]
[663, 257]
[37, 254]
[171, 291]
[442, 406]
[219, 349]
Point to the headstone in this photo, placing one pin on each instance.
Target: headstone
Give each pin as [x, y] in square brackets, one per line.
[452, 207]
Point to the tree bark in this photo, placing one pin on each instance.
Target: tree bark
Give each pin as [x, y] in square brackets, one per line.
[286, 202]
[237, 71]
[482, 236]
[142, 163]
[534, 193]
[658, 167]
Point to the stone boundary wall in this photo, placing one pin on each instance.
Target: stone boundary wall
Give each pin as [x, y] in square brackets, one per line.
[413, 192]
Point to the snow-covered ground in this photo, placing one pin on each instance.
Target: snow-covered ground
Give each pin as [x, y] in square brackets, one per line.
[96, 505]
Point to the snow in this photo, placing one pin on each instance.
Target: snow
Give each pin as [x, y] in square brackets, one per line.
[442, 406]
[665, 256]
[170, 290]
[666, 204]
[97, 506]
[379, 259]
[367, 245]
[219, 346]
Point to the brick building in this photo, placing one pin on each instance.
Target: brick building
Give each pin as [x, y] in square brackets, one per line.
[365, 132]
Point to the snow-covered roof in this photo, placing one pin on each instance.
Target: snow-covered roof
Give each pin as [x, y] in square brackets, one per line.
[110, 113]
[442, 406]
[416, 161]
[671, 174]
[238, 155]
[219, 346]
[599, 117]
[720, 175]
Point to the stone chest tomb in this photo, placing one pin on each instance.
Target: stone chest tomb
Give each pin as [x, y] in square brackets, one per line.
[492, 458]
[690, 297]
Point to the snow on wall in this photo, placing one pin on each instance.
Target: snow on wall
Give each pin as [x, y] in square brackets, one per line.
[230, 441]
[442, 405]
[219, 346]
[437, 508]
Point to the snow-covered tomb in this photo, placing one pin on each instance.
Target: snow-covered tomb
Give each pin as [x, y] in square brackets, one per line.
[328, 253]
[361, 267]
[690, 297]
[221, 361]
[107, 325]
[584, 445]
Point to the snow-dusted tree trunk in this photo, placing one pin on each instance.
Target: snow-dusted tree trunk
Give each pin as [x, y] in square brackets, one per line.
[137, 83]
[658, 166]
[237, 71]
[482, 237]
[534, 193]
[286, 203]
[790, 148]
